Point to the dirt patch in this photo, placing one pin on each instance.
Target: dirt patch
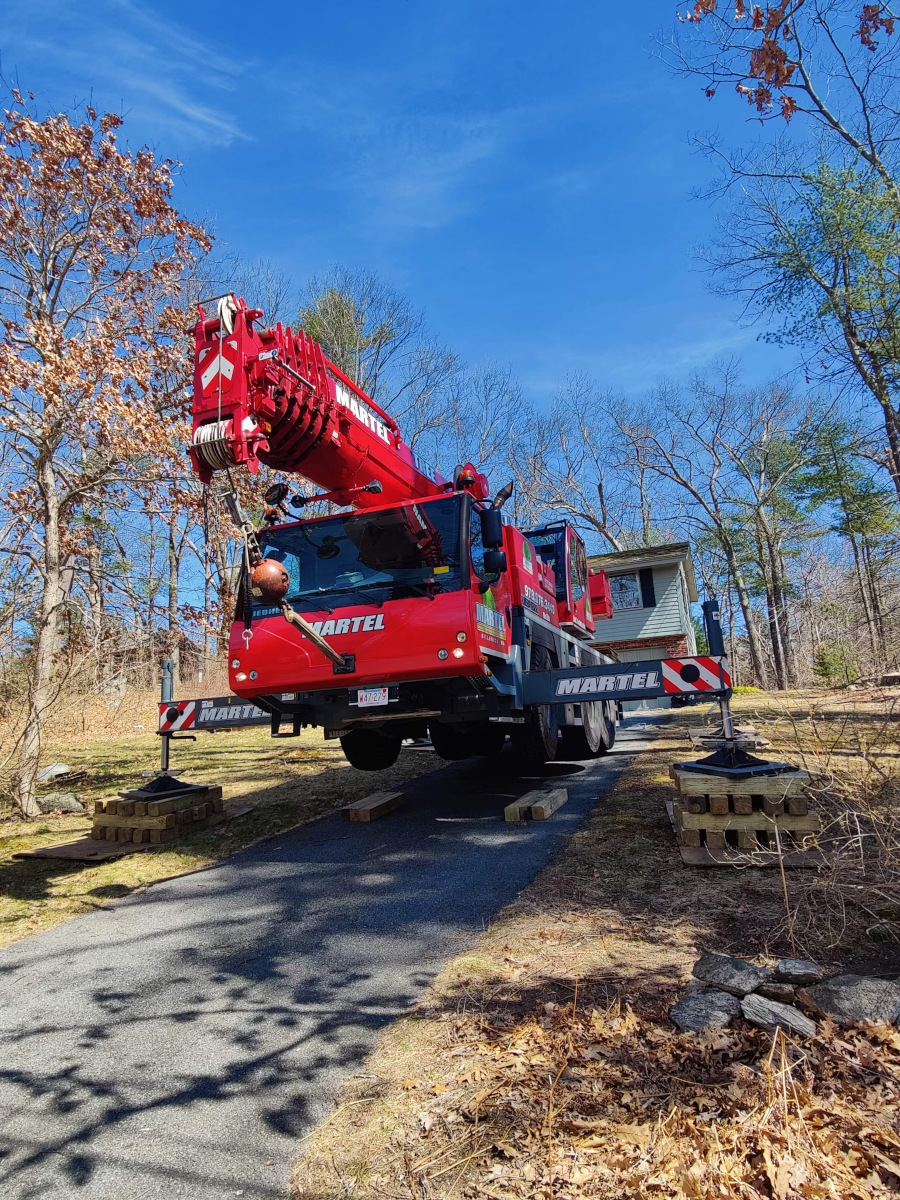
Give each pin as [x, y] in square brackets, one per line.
[542, 1063]
[285, 783]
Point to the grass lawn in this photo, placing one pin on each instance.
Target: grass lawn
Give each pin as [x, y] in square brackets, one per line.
[286, 783]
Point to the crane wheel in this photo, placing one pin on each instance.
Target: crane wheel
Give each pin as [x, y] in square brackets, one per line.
[370, 751]
[594, 737]
[536, 741]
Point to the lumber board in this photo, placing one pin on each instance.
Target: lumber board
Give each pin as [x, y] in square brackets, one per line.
[164, 822]
[703, 856]
[86, 849]
[690, 784]
[548, 803]
[758, 820]
[370, 808]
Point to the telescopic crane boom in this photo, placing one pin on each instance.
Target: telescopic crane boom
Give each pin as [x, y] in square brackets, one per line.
[271, 396]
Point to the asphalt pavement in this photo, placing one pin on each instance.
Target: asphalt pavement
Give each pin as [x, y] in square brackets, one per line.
[179, 1043]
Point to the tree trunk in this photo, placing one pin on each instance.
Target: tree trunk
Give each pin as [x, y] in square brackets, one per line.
[782, 616]
[740, 586]
[40, 694]
[173, 639]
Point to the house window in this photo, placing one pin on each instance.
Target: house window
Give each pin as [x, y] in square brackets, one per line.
[633, 591]
[626, 591]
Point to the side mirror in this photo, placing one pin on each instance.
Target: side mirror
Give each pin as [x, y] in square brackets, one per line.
[491, 529]
[495, 562]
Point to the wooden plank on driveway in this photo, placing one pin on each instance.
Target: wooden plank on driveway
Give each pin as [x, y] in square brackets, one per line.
[370, 808]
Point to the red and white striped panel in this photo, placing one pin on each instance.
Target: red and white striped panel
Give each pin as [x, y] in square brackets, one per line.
[695, 674]
[179, 714]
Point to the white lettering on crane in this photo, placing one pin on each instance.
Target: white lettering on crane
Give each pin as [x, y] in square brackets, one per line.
[361, 411]
[586, 684]
[367, 624]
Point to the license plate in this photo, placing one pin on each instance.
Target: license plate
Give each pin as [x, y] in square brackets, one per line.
[371, 697]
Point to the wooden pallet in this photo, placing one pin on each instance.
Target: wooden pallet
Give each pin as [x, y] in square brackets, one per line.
[718, 819]
[140, 817]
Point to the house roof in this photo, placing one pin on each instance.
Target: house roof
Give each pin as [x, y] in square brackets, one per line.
[674, 553]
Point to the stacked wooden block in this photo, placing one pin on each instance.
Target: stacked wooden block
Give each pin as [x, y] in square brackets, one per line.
[766, 814]
[155, 818]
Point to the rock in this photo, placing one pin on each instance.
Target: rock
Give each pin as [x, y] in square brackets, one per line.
[799, 971]
[62, 801]
[770, 1015]
[51, 772]
[705, 1009]
[855, 999]
[730, 974]
[773, 990]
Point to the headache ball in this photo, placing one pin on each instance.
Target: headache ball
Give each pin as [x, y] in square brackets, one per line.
[269, 581]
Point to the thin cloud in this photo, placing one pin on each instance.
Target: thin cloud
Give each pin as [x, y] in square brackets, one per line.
[133, 60]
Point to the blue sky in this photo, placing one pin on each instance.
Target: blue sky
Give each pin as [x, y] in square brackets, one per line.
[521, 170]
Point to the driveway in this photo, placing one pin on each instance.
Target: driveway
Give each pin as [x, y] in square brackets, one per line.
[180, 1042]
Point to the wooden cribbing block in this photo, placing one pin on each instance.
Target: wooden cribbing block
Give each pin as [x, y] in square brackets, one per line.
[165, 822]
[718, 805]
[689, 837]
[798, 806]
[715, 840]
[773, 806]
[548, 803]
[757, 820]
[747, 839]
[695, 804]
[370, 808]
[174, 804]
[691, 784]
[537, 805]
[742, 804]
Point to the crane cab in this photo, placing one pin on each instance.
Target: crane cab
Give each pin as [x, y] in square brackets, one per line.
[561, 549]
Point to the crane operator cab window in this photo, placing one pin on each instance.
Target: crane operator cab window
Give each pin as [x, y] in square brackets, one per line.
[370, 556]
[551, 547]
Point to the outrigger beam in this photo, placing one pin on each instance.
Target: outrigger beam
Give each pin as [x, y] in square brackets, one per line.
[619, 681]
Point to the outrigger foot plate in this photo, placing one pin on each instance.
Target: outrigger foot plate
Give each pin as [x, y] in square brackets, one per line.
[732, 760]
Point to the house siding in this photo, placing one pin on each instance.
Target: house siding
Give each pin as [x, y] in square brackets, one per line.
[665, 618]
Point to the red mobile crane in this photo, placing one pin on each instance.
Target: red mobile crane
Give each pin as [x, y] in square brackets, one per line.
[417, 608]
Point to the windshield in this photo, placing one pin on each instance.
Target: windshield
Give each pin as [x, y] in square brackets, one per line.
[356, 557]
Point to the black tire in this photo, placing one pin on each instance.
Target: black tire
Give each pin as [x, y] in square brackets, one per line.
[586, 740]
[487, 739]
[449, 742]
[608, 736]
[370, 751]
[536, 741]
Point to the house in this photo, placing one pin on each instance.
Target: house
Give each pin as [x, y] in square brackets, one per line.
[652, 591]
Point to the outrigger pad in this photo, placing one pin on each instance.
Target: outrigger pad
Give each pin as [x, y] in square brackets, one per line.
[164, 785]
[732, 760]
